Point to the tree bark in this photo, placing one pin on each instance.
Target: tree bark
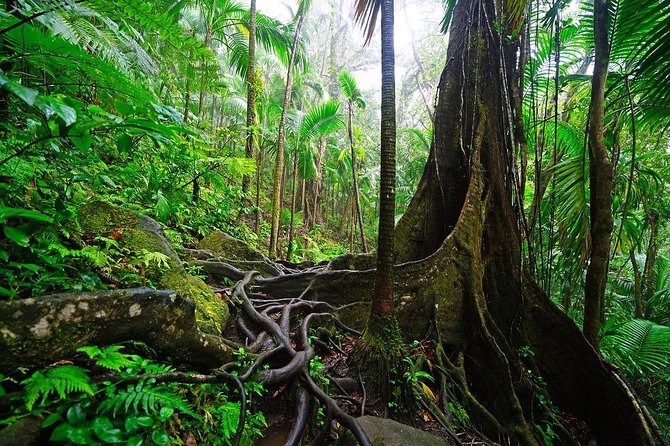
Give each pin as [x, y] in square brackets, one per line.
[279, 162]
[382, 303]
[601, 172]
[477, 228]
[251, 93]
[294, 185]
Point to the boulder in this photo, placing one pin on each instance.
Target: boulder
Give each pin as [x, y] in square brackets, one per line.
[385, 432]
[138, 233]
[38, 331]
[221, 247]
[228, 247]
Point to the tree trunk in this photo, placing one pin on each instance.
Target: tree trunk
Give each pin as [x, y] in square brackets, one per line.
[294, 185]
[251, 93]
[637, 284]
[279, 162]
[476, 228]
[601, 172]
[648, 282]
[354, 173]
[381, 309]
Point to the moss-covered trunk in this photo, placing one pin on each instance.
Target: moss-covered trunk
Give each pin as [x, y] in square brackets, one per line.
[476, 226]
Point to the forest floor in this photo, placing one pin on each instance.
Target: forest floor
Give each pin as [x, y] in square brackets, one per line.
[331, 368]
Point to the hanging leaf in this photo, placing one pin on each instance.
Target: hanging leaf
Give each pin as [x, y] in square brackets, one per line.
[27, 95]
[17, 236]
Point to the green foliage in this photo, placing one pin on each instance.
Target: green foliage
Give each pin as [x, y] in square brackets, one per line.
[641, 347]
[108, 357]
[143, 398]
[62, 381]
[77, 411]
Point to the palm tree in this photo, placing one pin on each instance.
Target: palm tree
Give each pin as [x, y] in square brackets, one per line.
[303, 7]
[316, 124]
[381, 342]
[354, 98]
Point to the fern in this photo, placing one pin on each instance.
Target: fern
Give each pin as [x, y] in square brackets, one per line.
[63, 380]
[108, 357]
[147, 398]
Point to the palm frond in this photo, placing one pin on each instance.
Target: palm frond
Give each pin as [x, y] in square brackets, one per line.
[639, 346]
[365, 14]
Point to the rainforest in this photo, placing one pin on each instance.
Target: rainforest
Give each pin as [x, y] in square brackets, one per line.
[335, 222]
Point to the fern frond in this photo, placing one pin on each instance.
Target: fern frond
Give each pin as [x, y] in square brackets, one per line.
[108, 357]
[145, 397]
[63, 380]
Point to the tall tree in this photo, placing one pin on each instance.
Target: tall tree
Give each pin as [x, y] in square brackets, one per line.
[463, 228]
[381, 343]
[251, 92]
[354, 99]
[602, 173]
[303, 7]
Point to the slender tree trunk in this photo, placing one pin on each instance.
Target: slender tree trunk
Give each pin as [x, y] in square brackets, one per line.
[187, 98]
[422, 83]
[648, 282]
[381, 309]
[354, 173]
[352, 226]
[259, 168]
[318, 196]
[294, 186]
[279, 163]
[637, 284]
[251, 93]
[601, 172]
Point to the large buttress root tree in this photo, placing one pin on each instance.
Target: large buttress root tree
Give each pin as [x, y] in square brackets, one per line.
[475, 228]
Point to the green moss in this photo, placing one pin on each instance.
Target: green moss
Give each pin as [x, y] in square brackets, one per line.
[138, 234]
[379, 352]
[99, 217]
[211, 313]
[228, 247]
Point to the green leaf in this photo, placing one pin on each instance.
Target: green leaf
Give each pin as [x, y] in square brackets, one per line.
[26, 94]
[17, 236]
[160, 437]
[81, 435]
[165, 413]
[101, 425]
[51, 106]
[76, 415]
[124, 143]
[61, 433]
[124, 108]
[135, 441]
[135, 423]
[51, 419]
[111, 436]
[6, 213]
[82, 142]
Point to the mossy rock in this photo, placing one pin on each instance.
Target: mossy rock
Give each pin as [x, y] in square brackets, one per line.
[135, 232]
[227, 247]
[211, 313]
[386, 432]
[138, 233]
